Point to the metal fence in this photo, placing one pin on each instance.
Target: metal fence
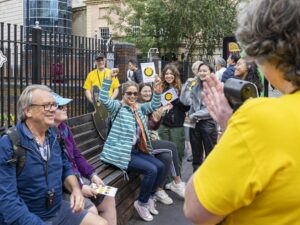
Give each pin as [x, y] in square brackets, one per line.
[34, 56]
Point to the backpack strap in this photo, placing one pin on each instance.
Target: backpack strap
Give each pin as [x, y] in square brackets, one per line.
[19, 154]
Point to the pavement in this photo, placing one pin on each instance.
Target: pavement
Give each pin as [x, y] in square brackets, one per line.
[169, 214]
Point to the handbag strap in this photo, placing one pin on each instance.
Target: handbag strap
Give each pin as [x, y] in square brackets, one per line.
[113, 119]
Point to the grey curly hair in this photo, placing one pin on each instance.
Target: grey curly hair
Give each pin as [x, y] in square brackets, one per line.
[269, 30]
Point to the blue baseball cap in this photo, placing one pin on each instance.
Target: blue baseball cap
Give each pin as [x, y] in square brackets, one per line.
[60, 100]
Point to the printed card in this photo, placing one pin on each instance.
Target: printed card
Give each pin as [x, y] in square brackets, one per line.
[148, 71]
[168, 96]
[106, 190]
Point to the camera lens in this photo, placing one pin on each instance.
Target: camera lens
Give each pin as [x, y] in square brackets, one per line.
[249, 91]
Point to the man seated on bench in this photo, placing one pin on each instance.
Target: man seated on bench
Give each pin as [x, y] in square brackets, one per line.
[34, 196]
[84, 171]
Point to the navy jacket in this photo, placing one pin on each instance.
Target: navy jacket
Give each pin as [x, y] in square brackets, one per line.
[23, 198]
[228, 73]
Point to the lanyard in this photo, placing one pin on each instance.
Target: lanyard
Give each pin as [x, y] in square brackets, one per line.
[98, 76]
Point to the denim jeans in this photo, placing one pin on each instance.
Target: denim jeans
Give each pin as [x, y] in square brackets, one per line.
[151, 168]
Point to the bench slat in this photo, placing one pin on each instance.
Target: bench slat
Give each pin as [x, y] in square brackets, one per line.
[90, 144]
[83, 127]
[74, 121]
[85, 136]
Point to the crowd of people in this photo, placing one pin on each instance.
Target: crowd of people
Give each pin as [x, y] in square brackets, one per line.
[249, 177]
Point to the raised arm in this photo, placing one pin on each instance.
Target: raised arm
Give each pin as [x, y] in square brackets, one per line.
[110, 104]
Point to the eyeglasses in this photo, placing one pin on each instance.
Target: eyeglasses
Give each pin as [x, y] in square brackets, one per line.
[131, 93]
[47, 106]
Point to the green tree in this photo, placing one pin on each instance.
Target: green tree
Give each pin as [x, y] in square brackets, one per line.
[198, 25]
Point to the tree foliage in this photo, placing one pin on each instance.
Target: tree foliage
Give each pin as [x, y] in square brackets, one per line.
[197, 25]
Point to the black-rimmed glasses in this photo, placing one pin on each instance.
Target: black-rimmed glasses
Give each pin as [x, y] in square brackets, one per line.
[47, 106]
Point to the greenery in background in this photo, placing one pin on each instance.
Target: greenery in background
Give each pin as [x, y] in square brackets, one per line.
[199, 25]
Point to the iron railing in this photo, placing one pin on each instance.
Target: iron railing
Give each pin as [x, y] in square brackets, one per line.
[35, 56]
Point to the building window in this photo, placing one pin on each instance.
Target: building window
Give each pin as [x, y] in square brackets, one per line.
[103, 12]
[104, 33]
[136, 27]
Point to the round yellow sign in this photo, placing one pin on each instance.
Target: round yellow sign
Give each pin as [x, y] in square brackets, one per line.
[168, 96]
[148, 71]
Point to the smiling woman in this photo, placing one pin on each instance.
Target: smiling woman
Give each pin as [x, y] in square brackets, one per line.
[84, 171]
[203, 136]
[128, 143]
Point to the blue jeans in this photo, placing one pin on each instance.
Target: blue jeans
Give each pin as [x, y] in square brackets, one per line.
[151, 168]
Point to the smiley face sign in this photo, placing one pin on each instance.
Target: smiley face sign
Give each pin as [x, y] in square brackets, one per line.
[168, 96]
[148, 71]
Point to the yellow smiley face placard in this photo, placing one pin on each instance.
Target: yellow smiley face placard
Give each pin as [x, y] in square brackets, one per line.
[148, 71]
[168, 96]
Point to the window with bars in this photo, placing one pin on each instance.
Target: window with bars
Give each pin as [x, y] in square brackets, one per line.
[136, 27]
[104, 32]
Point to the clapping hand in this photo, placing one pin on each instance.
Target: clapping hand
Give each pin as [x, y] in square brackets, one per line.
[216, 102]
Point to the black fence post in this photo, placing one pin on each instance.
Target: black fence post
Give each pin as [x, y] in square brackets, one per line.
[36, 54]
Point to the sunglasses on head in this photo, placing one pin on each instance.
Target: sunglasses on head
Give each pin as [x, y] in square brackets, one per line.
[131, 93]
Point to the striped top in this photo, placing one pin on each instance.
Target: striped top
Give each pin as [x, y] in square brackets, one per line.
[118, 146]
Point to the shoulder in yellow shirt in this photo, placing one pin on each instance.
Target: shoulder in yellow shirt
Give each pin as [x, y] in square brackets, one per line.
[253, 174]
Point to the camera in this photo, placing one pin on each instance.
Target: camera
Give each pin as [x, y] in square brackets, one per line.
[237, 91]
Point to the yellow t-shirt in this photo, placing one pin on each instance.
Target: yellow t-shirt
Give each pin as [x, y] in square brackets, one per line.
[253, 173]
[96, 77]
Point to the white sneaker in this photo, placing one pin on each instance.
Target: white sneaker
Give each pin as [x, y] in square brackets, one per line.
[177, 188]
[142, 211]
[163, 197]
[151, 206]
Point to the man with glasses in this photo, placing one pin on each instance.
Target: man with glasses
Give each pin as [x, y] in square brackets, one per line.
[34, 196]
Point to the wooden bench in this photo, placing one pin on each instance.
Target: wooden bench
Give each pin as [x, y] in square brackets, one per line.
[90, 141]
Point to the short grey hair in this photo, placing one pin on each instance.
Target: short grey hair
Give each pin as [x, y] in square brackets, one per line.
[220, 61]
[269, 30]
[25, 99]
[128, 84]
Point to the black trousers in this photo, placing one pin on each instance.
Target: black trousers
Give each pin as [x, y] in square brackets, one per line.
[203, 138]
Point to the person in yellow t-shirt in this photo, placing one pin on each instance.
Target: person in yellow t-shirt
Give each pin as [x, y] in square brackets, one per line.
[252, 176]
[96, 77]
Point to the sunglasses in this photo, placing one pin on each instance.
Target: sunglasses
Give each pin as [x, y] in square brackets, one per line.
[61, 107]
[131, 93]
